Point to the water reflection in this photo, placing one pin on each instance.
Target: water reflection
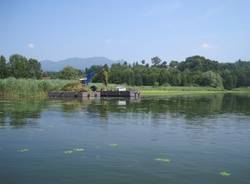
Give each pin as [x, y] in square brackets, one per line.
[19, 113]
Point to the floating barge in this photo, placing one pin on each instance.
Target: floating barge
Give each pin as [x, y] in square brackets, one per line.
[97, 94]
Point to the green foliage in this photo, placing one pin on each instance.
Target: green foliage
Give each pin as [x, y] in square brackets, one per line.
[224, 173]
[78, 149]
[75, 86]
[68, 152]
[19, 88]
[3, 67]
[97, 69]
[194, 71]
[114, 145]
[212, 79]
[34, 69]
[20, 67]
[105, 77]
[165, 160]
[173, 64]
[22, 150]
[156, 61]
[229, 79]
[198, 63]
[69, 73]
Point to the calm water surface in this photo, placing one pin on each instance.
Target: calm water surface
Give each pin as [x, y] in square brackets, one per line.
[126, 141]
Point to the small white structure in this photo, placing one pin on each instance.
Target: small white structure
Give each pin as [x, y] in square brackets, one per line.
[121, 102]
[120, 88]
[83, 80]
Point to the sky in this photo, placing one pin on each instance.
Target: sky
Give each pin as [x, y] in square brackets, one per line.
[126, 29]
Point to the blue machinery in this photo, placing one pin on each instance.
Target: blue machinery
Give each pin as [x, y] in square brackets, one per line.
[89, 77]
[87, 80]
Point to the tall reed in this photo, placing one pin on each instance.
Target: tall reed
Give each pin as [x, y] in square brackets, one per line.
[19, 88]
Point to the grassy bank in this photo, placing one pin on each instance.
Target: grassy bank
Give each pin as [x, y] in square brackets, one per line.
[163, 90]
[175, 90]
[30, 88]
[190, 90]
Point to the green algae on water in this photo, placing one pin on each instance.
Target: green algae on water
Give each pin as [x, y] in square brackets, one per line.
[224, 173]
[68, 152]
[113, 145]
[165, 160]
[22, 150]
[78, 149]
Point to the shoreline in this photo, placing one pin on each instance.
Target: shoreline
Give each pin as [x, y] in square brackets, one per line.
[144, 93]
[31, 88]
[195, 92]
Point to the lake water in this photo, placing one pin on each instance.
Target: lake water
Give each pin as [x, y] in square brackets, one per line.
[177, 140]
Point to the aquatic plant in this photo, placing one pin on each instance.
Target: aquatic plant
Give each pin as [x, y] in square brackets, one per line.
[113, 145]
[78, 149]
[68, 152]
[22, 150]
[165, 160]
[224, 173]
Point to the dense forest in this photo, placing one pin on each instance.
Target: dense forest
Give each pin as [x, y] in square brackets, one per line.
[194, 71]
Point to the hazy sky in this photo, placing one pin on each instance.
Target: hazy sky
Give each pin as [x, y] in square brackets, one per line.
[126, 29]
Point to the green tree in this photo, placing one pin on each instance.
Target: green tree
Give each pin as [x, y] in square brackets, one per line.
[175, 77]
[18, 66]
[97, 69]
[105, 78]
[229, 79]
[164, 64]
[69, 72]
[198, 63]
[34, 69]
[156, 61]
[164, 77]
[212, 79]
[3, 67]
[187, 79]
[173, 64]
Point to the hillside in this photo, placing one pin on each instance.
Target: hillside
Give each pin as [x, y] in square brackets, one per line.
[79, 63]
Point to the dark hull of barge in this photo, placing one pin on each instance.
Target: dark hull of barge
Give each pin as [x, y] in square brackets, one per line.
[99, 94]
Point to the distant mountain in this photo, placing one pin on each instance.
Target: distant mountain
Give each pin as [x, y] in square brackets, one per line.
[79, 63]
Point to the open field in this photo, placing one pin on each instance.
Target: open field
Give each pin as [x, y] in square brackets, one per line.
[31, 88]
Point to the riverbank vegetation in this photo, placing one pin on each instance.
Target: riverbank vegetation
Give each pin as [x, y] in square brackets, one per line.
[20, 76]
[30, 88]
[35, 88]
[194, 71]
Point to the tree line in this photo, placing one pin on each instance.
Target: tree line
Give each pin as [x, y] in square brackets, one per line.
[194, 71]
[19, 66]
